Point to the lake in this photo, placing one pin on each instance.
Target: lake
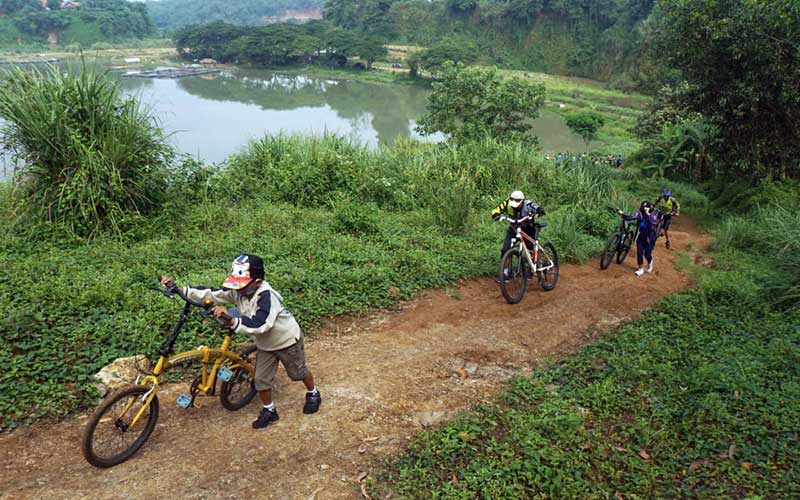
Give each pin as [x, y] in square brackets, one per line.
[213, 116]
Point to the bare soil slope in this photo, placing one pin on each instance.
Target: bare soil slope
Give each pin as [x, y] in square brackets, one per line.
[383, 378]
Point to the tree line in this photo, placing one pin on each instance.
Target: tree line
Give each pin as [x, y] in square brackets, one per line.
[172, 14]
[598, 38]
[115, 19]
[278, 44]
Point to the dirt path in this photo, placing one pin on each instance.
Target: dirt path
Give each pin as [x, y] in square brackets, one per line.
[383, 378]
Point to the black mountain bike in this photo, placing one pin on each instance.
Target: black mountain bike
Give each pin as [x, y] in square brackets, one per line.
[620, 242]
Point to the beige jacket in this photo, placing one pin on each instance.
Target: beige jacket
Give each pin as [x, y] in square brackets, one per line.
[262, 315]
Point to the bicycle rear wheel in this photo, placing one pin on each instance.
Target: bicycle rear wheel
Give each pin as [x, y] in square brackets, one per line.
[513, 275]
[109, 438]
[624, 248]
[547, 256]
[608, 253]
[240, 389]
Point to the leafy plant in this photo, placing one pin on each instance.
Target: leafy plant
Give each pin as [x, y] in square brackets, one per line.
[469, 103]
[585, 123]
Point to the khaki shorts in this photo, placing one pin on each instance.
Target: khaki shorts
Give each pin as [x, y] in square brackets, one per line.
[293, 358]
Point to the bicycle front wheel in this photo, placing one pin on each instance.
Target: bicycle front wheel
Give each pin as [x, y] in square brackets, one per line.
[548, 260]
[111, 437]
[609, 251]
[512, 277]
[624, 248]
[240, 389]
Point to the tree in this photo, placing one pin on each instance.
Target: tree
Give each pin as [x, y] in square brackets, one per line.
[455, 49]
[585, 123]
[741, 59]
[369, 49]
[471, 103]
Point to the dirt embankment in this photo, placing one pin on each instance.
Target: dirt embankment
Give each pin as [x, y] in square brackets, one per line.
[383, 378]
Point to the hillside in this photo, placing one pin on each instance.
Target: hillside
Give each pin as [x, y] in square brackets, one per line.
[170, 14]
[85, 23]
[598, 39]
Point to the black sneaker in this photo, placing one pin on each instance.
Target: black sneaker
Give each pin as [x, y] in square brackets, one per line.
[312, 403]
[265, 418]
[667, 244]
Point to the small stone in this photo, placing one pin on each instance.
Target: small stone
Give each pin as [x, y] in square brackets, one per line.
[324, 466]
[471, 368]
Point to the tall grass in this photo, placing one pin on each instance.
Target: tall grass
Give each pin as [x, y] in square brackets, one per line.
[454, 182]
[90, 158]
[772, 235]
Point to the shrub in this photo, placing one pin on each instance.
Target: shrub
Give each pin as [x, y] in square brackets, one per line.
[91, 158]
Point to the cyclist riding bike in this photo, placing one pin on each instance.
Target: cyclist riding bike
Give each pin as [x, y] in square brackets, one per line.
[670, 207]
[645, 240]
[517, 207]
[260, 313]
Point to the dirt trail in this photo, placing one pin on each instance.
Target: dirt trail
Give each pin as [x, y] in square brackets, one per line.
[383, 378]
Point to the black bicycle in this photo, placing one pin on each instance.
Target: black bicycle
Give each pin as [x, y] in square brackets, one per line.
[620, 242]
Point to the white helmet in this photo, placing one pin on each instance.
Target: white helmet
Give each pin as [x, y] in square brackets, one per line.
[516, 199]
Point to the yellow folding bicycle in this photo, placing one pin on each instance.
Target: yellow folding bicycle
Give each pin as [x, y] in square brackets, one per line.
[124, 420]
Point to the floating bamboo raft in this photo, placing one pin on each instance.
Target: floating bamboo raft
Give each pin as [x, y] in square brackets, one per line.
[36, 61]
[170, 73]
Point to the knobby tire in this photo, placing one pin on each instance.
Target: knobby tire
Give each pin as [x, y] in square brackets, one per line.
[549, 278]
[228, 390]
[517, 267]
[101, 421]
[611, 248]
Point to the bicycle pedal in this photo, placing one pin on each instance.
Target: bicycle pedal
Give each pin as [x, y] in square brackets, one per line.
[224, 374]
[184, 401]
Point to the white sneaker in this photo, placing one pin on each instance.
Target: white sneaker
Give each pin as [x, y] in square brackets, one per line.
[639, 272]
[650, 267]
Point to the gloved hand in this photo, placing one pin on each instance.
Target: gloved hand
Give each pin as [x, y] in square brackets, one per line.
[496, 216]
[540, 211]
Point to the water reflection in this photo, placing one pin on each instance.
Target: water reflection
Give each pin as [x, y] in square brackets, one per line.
[214, 116]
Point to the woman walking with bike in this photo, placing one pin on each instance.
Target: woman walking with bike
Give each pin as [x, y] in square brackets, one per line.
[645, 240]
[260, 312]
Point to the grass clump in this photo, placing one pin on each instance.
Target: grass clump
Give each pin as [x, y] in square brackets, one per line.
[91, 158]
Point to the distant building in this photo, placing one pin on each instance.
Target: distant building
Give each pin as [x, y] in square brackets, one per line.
[70, 5]
[301, 16]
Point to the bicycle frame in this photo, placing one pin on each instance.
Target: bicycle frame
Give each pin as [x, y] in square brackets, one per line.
[205, 354]
[521, 236]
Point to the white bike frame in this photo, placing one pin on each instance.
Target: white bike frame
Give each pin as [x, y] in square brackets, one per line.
[521, 237]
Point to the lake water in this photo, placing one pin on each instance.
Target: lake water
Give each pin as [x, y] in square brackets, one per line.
[213, 116]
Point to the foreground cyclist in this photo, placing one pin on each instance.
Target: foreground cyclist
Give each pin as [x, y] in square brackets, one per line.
[516, 207]
[645, 240]
[260, 312]
[671, 207]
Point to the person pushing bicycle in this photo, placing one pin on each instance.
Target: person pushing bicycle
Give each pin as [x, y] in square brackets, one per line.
[645, 240]
[670, 207]
[260, 313]
[516, 207]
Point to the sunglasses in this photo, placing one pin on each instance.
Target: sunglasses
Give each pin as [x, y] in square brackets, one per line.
[516, 199]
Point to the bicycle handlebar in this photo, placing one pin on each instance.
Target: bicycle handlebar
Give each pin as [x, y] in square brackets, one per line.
[205, 309]
[514, 221]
